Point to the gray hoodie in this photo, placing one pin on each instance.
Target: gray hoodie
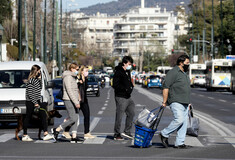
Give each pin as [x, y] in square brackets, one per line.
[70, 87]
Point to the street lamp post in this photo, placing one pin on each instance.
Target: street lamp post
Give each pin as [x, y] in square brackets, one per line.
[1, 34]
[230, 48]
[24, 44]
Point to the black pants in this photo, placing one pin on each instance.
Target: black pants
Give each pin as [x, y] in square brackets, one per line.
[30, 111]
[84, 107]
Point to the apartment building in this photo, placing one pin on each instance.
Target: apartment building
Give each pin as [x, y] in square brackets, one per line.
[144, 30]
[95, 33]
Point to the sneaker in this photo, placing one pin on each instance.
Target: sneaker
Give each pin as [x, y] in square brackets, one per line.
[88, 136]
[48, 137]
[118, 137]
[66, 135]
[55, 133]
[76, 140]
[183, 146]
[164, 140]
[127, 135]
[26, 138]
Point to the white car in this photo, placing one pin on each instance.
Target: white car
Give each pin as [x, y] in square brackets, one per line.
[199, 81]
[13, 94]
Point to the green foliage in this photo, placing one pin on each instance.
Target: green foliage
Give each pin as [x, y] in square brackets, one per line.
[12, 52]
[197, 19]
[5, 10]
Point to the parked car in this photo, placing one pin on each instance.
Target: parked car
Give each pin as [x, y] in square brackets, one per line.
[58, 85]
[199, 80]
[93, 86]
[13, 95]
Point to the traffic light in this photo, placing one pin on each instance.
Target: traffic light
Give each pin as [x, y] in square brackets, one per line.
[172, 51]
[190, 40]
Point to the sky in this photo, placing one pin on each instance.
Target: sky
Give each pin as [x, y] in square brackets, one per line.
[76, 4]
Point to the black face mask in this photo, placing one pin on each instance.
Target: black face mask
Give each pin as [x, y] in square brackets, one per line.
[38, 75]
[186, 67]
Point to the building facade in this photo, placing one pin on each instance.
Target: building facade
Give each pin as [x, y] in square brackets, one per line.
[95, 33]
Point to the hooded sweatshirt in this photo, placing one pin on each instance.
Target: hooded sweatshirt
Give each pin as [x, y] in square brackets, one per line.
[70, 88]
[122, 82]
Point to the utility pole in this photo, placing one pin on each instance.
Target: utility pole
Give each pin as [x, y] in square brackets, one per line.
[212, 31]
[20, 28]
[52, 32]
[57, 32]
[204, 32]
[198, 37]
[60, 49]
[26, 30]
[34, 29]
[222, 34]
[45, 29]
[42, 55]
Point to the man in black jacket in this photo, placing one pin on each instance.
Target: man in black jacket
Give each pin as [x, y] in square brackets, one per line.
[124, 104]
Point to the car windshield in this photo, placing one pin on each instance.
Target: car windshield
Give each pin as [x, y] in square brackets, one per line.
[13, 78]
[154, 77]
[58, 83]
[91, 79]
[197, 71]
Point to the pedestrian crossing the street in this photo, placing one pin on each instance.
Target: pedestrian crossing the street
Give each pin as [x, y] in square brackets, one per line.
[107, 139]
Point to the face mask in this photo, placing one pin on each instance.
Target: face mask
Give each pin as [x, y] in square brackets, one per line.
[76, 72]
[85, 74]
[185, 67]
[39, 74]
[128, 67]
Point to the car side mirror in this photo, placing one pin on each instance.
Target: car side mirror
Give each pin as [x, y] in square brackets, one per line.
[50, 84]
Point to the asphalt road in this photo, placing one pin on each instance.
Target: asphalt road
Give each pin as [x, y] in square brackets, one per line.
[216, 137]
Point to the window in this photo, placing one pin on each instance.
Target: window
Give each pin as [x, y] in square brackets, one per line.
[222, 69]
[13, 78]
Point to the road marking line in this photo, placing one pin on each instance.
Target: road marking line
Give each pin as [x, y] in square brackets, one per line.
[234, 103]
[221, 100]
[106, 101]
[42, 141]
[210, 97]
[105, 104]
[193, 141]
[94, 123]
[200, 95]
[103, 108]
[100, 112]
[6, 137]
[231, 141]
[99, 139]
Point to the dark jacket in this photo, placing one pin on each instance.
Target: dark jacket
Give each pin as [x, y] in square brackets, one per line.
[122, 82]
[82, 88]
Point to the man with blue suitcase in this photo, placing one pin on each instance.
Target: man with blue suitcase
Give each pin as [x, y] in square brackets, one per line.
[176, 93]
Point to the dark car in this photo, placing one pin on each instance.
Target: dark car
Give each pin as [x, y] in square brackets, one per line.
[93, 85]
[58, 103]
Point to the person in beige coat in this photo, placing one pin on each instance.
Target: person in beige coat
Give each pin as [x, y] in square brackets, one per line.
[71, 99]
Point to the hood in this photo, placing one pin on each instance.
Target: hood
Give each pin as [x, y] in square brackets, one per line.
[12, 94]
[119, 67]
[68, 73]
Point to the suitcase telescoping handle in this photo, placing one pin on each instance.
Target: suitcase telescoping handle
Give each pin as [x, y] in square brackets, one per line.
[157, 116]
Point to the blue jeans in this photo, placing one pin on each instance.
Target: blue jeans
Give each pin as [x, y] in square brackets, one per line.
[180, 112]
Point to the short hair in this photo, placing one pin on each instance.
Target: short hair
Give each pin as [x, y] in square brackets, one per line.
[182, 58]
[127, 59]
[73, 66]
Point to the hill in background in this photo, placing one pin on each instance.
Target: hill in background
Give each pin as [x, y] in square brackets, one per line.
[123, 6]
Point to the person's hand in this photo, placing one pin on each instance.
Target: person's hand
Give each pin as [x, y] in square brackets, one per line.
[164, 104]
[77, 105]
[36, 105]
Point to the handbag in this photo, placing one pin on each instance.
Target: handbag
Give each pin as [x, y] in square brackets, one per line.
[193, 123]
[149, 119]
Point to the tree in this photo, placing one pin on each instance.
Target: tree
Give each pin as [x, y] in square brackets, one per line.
[5, 10]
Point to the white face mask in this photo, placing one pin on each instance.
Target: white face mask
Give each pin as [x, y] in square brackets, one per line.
[128, 67]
